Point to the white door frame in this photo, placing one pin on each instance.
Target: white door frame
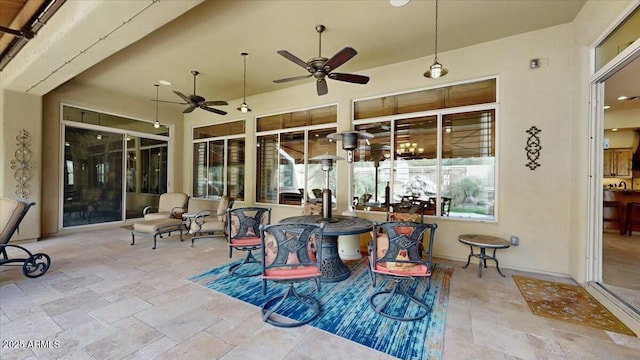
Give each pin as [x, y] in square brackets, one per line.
[596, 134]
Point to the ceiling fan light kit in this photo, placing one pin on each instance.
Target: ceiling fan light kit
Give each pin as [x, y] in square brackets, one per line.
[320, 67]
[436, 70]
[244, 108]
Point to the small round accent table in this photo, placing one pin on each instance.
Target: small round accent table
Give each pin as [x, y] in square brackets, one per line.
[483, 242]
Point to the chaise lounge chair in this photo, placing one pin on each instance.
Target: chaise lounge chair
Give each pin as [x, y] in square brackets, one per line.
[11, 214]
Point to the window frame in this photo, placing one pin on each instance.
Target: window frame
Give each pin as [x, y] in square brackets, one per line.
[306, 129]
[439, 114]
[225, 140]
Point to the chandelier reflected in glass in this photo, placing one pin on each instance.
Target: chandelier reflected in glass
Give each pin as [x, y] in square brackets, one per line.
[409, 149]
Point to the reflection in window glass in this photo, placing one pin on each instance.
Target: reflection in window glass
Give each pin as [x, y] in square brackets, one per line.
[291, 170]
[282, 171]
[415, 147]
[283, 166]
[267, 169]
[212, 161]
[285, 175]
[318, 145]
[215, 180]
[235, 168]
[199, 174]
[468, 163]
[371, 167]
[619, 39]
[218, 161]
[443, 163]
[93, 177]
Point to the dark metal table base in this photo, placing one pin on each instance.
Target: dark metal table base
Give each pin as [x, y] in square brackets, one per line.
[332, 267]
[483, 257]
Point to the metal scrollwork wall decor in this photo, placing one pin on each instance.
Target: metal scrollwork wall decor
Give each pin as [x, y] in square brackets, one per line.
[22, 164]
[533, 147]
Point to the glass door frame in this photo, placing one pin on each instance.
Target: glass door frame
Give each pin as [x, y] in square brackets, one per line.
[124, 133]
[594, 255]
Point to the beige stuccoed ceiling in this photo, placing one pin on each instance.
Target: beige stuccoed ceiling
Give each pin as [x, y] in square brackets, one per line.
[211, 36]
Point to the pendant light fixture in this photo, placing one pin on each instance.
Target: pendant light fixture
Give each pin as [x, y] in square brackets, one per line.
[244, 107]
[156, 124]
[99, 136]
[436, 70]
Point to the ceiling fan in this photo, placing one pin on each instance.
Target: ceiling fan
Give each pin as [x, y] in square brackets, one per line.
[321, 67]
[196, 101]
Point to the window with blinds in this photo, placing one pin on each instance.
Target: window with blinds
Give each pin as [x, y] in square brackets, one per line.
[285, 143]
[218, 160]
[435, 150]
[473, 93]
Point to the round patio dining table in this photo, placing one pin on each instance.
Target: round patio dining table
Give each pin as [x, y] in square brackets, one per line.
[332, 267]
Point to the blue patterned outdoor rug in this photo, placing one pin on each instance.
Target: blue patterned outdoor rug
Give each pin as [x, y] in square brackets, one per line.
[346, 311]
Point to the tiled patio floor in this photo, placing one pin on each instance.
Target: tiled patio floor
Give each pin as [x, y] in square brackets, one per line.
[104, 299]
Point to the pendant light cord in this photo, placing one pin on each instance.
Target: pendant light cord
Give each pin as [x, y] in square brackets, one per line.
[436, 58]
[244, 85]
[157, 123]
[157, 87]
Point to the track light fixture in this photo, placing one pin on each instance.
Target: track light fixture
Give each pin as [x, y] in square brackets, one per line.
[436, 70]
[244, 107]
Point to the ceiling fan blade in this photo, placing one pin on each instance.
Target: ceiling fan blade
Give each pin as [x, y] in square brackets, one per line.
[169, 102]
[294, 59]
[183, 96]
[215, 102]
[340, 58]
[213, 110]
[322, 87]
[189, 109]
[292, 78]
[352, 78]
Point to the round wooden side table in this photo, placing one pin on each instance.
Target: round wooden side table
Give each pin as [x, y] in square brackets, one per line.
[483, 242]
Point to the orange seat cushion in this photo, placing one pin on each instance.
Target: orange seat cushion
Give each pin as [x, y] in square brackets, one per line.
[247, 241]
[296, 272]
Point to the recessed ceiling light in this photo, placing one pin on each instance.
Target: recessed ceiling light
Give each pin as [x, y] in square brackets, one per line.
[622, 97]
[398, 3]
[164, 82]
[614, 129]
[606, 107]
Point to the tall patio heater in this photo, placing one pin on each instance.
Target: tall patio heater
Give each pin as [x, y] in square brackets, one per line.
[326, 162]
[349, 245]
[350, 144]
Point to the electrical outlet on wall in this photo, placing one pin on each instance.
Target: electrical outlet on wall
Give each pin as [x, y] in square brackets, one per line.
[515, 241]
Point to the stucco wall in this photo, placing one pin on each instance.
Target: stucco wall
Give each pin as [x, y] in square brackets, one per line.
[98, 100]
[534, 205]
[22, 112]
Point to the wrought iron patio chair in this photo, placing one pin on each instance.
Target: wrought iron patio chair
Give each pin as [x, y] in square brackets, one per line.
[243, 226]
[288, 257]
[397, 256]
[11, 214]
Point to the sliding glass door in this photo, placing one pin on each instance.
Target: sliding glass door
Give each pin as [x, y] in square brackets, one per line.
[113, 167]
[92, 177]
